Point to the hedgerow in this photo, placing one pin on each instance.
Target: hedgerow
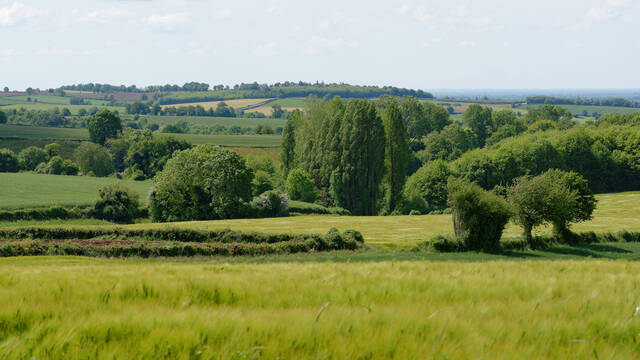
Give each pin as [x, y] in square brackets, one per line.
[168, 243]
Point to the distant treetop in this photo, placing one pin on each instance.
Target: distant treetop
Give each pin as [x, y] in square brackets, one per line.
[202, 91]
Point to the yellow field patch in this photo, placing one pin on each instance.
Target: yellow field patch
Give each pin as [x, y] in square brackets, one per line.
[236, 103]
[267, 110]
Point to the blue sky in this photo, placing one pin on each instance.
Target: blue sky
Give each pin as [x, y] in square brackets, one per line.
[417, 44]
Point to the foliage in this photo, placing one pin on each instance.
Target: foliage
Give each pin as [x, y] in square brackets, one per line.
[426, 190]
[271, 204]
[31, 157]
[261, 182]
[58, 166]
[301, 207]
[479, 119]
[53, 212]
[554, 113]
[422, 118]
[117, 203]
[479, 217]
[202, 183]
[104, 125]
[299, 186]
[396, 154]
[151, 154]
[287, 154]
[3, 117]
[448, 144]
[93, 158]
[356, 181]
[53, 149]
[8, 161]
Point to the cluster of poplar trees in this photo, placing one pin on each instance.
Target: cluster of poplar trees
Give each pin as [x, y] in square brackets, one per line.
[358, 152]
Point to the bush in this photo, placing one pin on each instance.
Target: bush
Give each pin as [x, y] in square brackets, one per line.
[104, 125]
[31, 157]
[54, 212]
[426, 190]
[53, 149]
[442, 243]
[301, 207]
[479, 217]
[58, 166]
[8, 161]
[204, 183]
[271, 204]
[116, 203]
[299, 186]
[93, 158]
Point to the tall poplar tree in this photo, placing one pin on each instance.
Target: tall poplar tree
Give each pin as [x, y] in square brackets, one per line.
[356, 181]
[287, 155]
[396, 153]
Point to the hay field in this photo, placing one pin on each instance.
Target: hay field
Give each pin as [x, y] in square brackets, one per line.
[236, 103]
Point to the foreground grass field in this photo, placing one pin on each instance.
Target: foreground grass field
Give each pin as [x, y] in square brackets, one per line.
[615, 212]
[28, 190]
[93, 308]
[38, 132]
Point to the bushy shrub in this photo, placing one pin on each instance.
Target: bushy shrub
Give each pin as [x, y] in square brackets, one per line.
[204, 183]
[442, 243]
[479, 216]
[271, 204]
[31, 157]
[116, 203]
[54, 212]
[426, 190]
[93, 158]
[299, 186]
[58, 166]
[8, 161]
[53, 149]
[301, 207]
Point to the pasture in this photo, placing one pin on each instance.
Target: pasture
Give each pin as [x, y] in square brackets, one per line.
[28, 190]
[213, 121]
[245, 141]
[98, 308]
[236, 103]
[42, 132]
[615, 212]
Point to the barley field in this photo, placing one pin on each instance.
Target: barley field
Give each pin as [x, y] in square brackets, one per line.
[402, 310]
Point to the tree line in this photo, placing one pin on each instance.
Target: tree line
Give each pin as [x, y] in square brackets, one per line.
[619, 102]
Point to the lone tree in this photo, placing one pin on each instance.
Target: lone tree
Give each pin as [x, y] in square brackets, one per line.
[479, 216]
[287, 155]
[555, 197]
[3, 117]
[204, 183]
[104, 125]
[93, 159]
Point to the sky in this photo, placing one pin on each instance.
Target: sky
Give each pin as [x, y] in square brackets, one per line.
[490, 44]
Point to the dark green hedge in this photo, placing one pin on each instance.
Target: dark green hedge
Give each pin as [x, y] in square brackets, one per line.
[30, 242]
[451, 244]
[54, 212]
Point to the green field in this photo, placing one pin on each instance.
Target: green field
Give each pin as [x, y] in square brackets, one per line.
[54, 133]
[212, 121]
[232, 140]
[39, 132]
[28, 190]
[98, 308]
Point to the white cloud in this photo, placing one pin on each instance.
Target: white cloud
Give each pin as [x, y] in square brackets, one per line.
[466, 43]
[268, 49]
[608, 11]
[223, 14]
[167, 21]
[104, 16]
[55, 51]
[9, 53]
[177, 2]
[18, 13]
[419, 13]
[335, 18]
[318, 44]
[275, 10]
